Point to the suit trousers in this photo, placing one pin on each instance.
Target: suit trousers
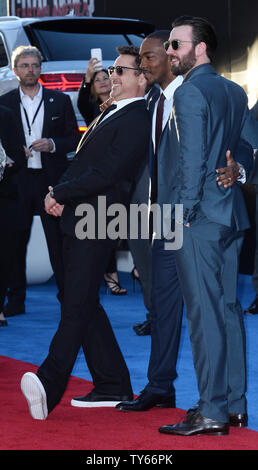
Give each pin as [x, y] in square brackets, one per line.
[255, 273]
[8, 244]
[166, 320]
[34, 190]
[141, 248]
[208, 269]
[84, 323]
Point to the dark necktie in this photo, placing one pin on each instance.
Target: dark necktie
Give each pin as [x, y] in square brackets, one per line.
[104, 114]
[158, 131]
[94, 124]
[159, 119]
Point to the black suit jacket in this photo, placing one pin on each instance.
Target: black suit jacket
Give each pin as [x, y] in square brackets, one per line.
[108, 163]
[11, 208]
[59, 124]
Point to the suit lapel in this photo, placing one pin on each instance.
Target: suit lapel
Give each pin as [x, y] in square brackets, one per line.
[88, 135]
[17, 110]
[49, 104]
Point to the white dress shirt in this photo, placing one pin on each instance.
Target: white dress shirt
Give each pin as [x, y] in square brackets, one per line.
[120, 104]
[168, 103]
[31, 106]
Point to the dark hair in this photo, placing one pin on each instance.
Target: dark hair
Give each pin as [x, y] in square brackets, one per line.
[92, 91]
[130, 50]
[97, 71]
[203, 31]
[161, 34]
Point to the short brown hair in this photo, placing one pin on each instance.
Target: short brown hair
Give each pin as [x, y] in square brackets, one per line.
[23, 51]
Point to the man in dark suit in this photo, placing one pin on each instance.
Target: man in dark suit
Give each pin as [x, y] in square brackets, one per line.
[167, 300]
[210, 114]
[11, 208]
[107, 162]
[253, 307]
[47, 123]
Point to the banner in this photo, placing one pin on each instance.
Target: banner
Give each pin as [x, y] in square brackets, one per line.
[39, 8]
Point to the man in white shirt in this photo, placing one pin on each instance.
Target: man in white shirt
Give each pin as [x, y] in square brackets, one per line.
[48, 127]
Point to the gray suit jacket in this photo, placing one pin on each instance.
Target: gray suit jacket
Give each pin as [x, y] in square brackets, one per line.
[209, 115]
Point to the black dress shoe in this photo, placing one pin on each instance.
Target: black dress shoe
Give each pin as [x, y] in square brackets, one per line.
[195, 425]
[10, 310]
[97, 400]
[253, 308]
[146, 401]
[143, 329]
[238, 420]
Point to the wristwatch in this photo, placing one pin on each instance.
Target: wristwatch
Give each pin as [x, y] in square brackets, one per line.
[52, 193]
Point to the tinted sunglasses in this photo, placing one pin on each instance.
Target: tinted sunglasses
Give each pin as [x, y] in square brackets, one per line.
[175, 44]
[120, 69]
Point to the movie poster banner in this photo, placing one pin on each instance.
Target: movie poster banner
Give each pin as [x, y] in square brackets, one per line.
[39, 8]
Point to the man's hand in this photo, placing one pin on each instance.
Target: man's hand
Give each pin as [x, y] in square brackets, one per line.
[42, 145]
[27, 151]
[51, 206]
[103, 106]
[94, 65]
[228, 175]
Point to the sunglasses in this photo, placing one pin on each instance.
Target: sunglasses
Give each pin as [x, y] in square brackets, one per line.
[120, 69]
[175, 44]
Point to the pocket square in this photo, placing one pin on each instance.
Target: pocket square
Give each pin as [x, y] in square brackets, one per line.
[55, 117]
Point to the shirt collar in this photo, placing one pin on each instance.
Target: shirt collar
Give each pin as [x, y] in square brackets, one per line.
[170, 89]
[121, 103]
[38, 95]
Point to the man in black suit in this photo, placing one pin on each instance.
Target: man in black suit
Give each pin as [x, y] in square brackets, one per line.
[47, 123]
[11, 208]
[110, 157]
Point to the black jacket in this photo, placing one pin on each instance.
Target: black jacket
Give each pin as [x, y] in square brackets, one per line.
[12, 214]
[108, 163]
[59, 124]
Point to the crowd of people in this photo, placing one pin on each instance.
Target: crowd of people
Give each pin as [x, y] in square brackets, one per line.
[160, 114]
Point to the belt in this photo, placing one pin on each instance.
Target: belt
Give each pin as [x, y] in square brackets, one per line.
[35, 171]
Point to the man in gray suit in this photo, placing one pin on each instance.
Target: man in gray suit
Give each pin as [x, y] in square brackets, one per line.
[167, 301]
[210, 114]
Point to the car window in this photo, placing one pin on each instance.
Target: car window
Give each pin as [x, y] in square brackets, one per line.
[3, 56]
[57, 45]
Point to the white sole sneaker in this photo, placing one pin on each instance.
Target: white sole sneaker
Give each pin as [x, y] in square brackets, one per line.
[35, 395]
[94, 404]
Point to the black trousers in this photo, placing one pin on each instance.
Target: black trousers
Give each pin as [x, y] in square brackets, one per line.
[34, 190]
[84, 323]
[255, 273]
[8, 246]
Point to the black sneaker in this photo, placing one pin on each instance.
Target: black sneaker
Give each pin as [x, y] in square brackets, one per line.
[95, 400]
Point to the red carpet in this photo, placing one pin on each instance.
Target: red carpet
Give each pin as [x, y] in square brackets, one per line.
[69, 428]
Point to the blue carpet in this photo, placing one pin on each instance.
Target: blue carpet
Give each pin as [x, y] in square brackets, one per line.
[28, 336]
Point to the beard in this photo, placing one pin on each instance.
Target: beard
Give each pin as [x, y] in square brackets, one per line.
[28, 82]
[185, 64]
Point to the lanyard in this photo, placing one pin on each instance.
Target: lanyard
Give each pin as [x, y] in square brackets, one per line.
[34, 117]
